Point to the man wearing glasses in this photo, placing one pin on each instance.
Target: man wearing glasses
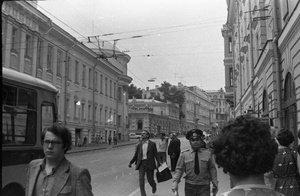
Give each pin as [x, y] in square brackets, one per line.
[55, 175]
[144, 157]
[199, 166]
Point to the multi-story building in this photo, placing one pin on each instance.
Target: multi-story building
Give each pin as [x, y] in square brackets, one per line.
[92, 86]
[198, 109]
[153, 116]
[222, 107]
[262, 60]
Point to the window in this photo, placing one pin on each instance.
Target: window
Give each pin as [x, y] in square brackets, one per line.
[89, 112]
[40, 54]
[14, 39]
[28, 46]
[90, 79]
[76, 72]
[83, 76]
[68, 68]
[115, 90]
[59, 63]
[49, 58]
[101, 84]
[106, 86]
[100, 115]
[230, 44]
[110, 88]
[96, 81]
[19, 116]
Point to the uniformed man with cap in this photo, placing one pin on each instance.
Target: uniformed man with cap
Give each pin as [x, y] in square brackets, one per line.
[199, 166]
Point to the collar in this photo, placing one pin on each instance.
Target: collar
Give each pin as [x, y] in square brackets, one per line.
[63, 165]
[145, 142]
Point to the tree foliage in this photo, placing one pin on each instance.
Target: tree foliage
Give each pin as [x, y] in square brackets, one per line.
[172, 93]
[133, 91]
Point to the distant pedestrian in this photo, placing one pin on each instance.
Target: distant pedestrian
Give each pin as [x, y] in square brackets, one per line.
[115, 140]
[162, 148]
[54, 175]
[109, 140]
[174, 150]
[144, 157]
[84, 141]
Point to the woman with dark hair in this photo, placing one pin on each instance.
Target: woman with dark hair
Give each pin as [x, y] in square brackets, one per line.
[285, 165]
[246, 150]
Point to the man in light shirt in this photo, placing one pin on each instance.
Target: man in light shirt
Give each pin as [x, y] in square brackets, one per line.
[145, 156]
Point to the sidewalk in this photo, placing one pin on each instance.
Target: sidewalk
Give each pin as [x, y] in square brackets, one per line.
[91, 147]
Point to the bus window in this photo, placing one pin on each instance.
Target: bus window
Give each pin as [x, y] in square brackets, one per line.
[18, 116]
[47, 115]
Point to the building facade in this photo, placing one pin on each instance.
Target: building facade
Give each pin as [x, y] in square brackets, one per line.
[198, 109]
[153, 116]
[262, 60]
[222, 107]
[92, 88]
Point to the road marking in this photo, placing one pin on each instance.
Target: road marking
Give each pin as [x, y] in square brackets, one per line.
[134, 192]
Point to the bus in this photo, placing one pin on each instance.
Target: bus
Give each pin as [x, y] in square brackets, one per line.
[29, 105]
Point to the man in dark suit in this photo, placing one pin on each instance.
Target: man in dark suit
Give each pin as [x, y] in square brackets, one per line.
[174, 151]
[144, 157]
[55, 175]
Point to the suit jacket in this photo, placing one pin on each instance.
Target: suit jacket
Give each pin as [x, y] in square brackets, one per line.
[152, 155]
[174, 147]
[70, 179]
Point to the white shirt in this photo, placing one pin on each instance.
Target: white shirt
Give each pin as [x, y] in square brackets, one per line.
[144, 148]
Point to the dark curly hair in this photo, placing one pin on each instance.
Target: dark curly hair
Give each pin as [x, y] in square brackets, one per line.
[245, 147]
[285, 137]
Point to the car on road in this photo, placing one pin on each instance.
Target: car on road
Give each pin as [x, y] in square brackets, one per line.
[134, 136]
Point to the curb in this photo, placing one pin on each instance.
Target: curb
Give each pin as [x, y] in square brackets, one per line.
[97, 148]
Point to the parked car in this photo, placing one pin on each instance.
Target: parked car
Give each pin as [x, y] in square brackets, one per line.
[134, 136]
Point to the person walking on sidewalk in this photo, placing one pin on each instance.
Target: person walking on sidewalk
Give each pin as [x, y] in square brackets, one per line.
[55, 175]
[109, 140]
[144, 157]
[115, 139]
[199, 166]
[162, 148]
[174, 150]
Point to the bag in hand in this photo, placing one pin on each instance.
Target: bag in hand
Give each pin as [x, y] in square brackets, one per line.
[164, 175]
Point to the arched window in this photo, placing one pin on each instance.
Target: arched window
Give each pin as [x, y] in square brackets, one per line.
[290, 108]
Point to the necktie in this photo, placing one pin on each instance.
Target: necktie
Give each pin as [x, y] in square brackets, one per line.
[196, 167]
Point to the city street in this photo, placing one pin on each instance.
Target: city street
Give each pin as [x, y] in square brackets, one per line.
[111, 175]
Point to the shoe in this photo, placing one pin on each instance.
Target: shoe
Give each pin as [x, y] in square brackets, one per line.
[153, 189]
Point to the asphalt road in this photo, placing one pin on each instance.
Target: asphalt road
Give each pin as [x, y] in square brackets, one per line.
[111, 175]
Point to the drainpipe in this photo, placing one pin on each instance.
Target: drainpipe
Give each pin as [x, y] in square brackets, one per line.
[277, 64]
[94, 88]
[251, 57]
[66, 83]
[240, 65]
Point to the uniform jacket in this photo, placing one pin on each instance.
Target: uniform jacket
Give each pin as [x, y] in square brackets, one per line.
[186, 162]
[174, 147]
[70, 179]
[152, 155]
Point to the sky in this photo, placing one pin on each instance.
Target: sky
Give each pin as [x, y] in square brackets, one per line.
[167, 40]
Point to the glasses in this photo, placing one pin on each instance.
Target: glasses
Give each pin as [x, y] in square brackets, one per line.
[195, 139]
[53, 142]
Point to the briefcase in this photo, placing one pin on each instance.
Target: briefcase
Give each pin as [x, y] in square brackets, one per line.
[164, 175]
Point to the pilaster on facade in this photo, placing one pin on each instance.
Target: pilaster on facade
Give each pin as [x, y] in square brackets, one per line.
[265, 51]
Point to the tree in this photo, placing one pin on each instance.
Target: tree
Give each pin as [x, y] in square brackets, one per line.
[174, 95]
[133, 91]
